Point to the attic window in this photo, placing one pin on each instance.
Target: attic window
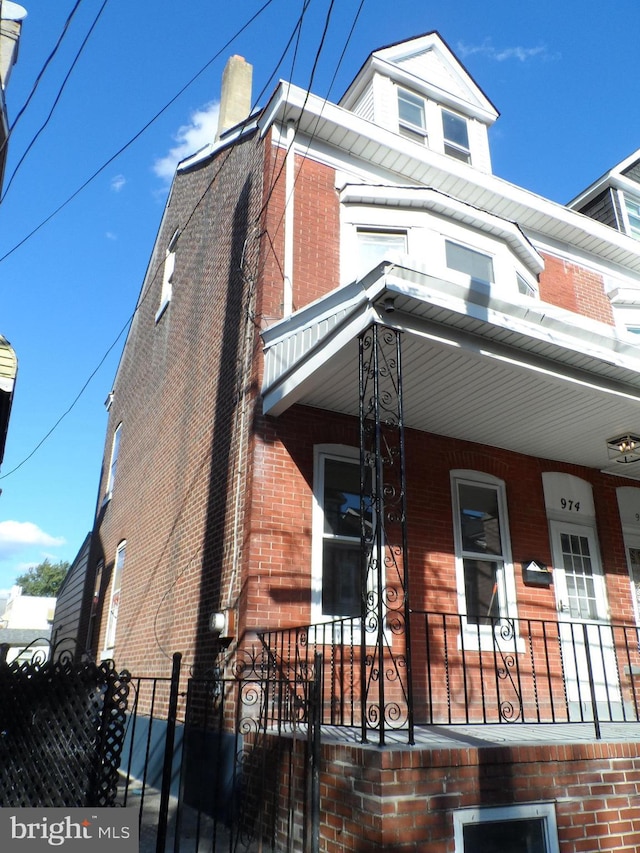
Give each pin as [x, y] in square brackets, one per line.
[456, 136]
[411, 116]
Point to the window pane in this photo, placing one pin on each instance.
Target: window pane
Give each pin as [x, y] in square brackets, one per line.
[479, 519]
[481, 591]
[510, 836]
[411, 108]
[342, 498]
[463, 259]
[455, 129]
[341, 579]
[375, 246]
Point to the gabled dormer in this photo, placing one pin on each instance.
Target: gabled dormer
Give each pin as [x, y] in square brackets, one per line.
[419, 89]
[615, 197]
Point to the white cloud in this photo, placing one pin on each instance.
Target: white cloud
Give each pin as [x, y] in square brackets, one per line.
[17, 536]
[117, 183]
[110, 235]
[522, 54]
[191, 137]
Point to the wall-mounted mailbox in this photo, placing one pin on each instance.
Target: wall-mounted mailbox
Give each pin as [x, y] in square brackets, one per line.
[536, 573]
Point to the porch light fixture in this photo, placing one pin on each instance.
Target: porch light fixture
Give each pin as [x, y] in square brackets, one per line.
[624, 448]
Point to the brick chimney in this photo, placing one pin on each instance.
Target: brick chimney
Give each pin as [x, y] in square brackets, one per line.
[235, 98]
[11, 17]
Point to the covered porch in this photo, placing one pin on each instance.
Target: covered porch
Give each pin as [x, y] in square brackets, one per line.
[521, 376]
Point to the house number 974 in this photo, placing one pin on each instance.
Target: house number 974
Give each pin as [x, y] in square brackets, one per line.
[571, 506]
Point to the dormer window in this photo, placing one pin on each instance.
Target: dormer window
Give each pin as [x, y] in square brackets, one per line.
[456, 136]
[411, 116]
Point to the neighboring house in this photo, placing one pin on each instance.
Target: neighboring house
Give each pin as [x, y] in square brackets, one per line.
[66, 628]
[25, 625]
[11, 16]
[344, 300]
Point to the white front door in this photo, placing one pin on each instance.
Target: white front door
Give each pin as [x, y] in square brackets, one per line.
[588, 653]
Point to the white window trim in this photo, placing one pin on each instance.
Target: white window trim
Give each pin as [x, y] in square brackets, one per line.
[416, 131]
[343, 453]
[115, 452]
[449, 142]
[502, 814]
[481, 636]
[168, 270]
[112, 620]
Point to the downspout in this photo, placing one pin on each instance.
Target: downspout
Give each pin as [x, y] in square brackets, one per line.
[290, 182]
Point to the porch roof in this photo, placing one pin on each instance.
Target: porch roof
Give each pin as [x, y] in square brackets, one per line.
[507, 371]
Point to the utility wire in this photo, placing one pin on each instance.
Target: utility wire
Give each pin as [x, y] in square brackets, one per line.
[136, 136]
[183, 227]
[56, 100]
[38, 79]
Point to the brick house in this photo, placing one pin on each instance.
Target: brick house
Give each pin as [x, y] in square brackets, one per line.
[378, 401]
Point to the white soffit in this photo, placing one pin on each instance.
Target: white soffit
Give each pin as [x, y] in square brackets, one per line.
[514, 375]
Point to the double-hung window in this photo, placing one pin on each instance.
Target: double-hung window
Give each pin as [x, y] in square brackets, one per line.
[484, 569]
[337, 562]
[113, 464]
[114, 601]
[168, 270]
[456, 136]
[411, 116]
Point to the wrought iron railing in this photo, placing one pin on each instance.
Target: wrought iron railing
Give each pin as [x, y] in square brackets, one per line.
[504, 671]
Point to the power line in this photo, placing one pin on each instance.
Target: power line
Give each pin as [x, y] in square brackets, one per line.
[183, 227]
[136, 136]
[38, 79]
[56, 100]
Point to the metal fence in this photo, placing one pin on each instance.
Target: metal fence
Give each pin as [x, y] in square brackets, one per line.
[463, 672]
[226, 763]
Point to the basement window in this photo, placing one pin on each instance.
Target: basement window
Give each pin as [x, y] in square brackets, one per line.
[529, 828]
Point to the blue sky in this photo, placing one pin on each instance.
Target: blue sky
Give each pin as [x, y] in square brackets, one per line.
[563, 76]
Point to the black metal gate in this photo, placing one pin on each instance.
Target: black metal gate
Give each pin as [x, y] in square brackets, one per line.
[228, 763]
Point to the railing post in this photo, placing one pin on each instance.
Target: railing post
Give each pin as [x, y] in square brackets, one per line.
[592, 687]
[169, 743]
[312, 822]
[386, 689]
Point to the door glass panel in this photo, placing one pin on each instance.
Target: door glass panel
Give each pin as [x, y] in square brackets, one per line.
[578, 568]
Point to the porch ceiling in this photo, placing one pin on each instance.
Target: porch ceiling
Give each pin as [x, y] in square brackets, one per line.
[524, 376]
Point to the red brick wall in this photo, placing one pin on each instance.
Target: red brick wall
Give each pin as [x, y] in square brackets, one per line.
[575, 288]
[184, 421]
[403, 799]
[279, 528]
[316, 262]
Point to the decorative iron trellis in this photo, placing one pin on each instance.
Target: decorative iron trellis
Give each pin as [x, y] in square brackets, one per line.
[62, 727]
[386, 686]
